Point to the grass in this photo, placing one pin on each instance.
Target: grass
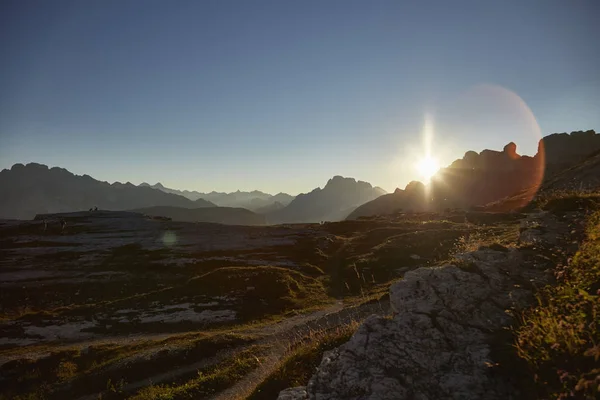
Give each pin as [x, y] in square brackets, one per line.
[208, 381]
[297, 368]
[560, 338]
[75, 372]
[260, 290]
[356, 262]
[564, 201]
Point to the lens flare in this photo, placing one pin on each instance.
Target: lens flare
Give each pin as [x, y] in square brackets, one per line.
[493, 117]
[169, 238]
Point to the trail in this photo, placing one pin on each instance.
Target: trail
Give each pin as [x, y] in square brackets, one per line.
[278, 337]
[283, 340]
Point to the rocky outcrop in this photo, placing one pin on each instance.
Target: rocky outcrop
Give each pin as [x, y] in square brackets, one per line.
[334, 202]
[563, 150]
[583, 176]
[438, 345]
[482, 178]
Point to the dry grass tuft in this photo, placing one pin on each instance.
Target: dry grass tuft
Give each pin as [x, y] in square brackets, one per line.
[560, 337]
[302, 360]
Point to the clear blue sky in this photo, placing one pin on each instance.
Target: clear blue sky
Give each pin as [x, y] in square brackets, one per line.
[282, 95]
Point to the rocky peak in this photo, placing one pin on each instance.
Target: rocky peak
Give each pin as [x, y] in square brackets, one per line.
[338, 182]
[511, 150]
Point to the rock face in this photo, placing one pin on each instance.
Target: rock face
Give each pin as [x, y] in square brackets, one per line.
[334, 202]
[438, 344]
[563, 150]
[583, 176]
[482, 178]
[27, 190]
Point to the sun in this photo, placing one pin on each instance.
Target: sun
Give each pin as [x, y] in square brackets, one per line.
[427, 167]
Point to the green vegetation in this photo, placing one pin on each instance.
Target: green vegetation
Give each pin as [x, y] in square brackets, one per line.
[560, 338]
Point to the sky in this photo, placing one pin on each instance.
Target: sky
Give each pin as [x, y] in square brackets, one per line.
[280, 96]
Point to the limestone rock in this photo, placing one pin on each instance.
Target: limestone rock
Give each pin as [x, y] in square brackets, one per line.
[297, 393]
[437, 345]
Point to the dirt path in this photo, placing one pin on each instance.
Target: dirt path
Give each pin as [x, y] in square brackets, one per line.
[41, 350]
[280, 343]
[278, 337]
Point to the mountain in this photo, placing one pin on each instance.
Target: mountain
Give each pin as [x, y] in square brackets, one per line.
[27, 190]
[334, 202]
[486, 177]
[269, 208]
[410, 198]
[283, 198]
[192, 195]
[220, 215]
[250, 200]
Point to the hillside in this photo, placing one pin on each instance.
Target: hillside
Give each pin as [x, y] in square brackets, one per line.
[584, 175]
[488, 176]
[334, 202]
[147, 303]
[497, 320]
[220, 215]
[27, 190]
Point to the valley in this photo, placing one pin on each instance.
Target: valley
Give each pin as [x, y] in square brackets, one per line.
[122, 297]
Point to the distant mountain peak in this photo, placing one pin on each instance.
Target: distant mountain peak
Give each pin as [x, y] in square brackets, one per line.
[338, 181]
[335, 201]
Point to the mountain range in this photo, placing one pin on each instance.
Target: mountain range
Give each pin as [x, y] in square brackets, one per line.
[254, 201]
[475, 179]
[28, 190]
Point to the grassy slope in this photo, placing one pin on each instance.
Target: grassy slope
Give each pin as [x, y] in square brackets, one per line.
[560, 338]
[360, 263]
